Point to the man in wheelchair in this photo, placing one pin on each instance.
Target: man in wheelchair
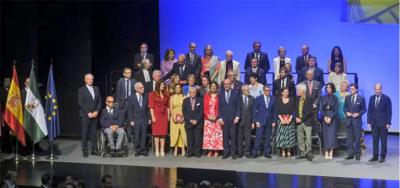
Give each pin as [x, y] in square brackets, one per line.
[111, 121]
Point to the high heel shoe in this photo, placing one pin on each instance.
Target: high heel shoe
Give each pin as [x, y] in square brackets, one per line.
[289, 155]
[162, 154]
[157, 154]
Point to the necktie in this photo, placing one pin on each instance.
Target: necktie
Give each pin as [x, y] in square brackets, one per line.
[180, 70]
[246, 102]
[267, 102]
[192, 103]
[143, 55]
[91, 90]
[310, 87]
[191, 58]
[258, 56]
[227, 97]
[353, 99]
[110, 111]
[140, 101]
[127, 89]
[377, 98]
[306, 59]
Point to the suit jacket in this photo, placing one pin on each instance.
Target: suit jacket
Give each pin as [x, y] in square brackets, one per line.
[149, 87]
[246, 115]
[106, 120]
[318, 75]
[358, 107]
[138, 60]
[196, 64]
[300, 63]
[120, 92]
[175, 69]
[263, 115]
[307, 112]
[136, 114]
[86, 102]
[222, 70]
[260, 73]
[263, 62]
[229, 111]
[316, 91]
[381, 115]
[139, 76]
[196, 114]
[277, 87]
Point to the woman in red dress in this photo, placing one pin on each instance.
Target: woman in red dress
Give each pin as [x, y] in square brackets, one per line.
[212, 138]
[158, 104]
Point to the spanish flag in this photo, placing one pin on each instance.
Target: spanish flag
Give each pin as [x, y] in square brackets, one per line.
[13, 114]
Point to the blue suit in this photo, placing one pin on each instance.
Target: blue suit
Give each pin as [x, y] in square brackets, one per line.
[379, 115]
[228, 112]
[265, 116]
[139, 115]
[353, 125]
[260, 73]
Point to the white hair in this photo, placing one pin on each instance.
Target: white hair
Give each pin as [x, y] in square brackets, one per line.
[301, 87]
[88, 74]
[137, 84]
[145, 60]
[244, 86]
[156, 72]
[310, 71]
[229, 52]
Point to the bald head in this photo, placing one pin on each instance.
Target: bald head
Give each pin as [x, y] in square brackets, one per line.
[227, 84]
[305, 49]
[310, 75]
[378, 88]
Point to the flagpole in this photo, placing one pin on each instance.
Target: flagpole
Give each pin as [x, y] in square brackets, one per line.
[17, 157]
[33, 157]
[52, 156]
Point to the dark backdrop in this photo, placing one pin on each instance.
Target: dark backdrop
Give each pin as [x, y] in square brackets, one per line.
[80, 37]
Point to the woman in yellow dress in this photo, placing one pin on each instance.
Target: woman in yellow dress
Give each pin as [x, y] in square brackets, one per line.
[177, 126]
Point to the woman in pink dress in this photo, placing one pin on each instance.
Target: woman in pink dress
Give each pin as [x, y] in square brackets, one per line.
[212, 138]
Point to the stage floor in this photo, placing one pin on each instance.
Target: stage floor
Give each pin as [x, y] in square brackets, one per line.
[258, 172]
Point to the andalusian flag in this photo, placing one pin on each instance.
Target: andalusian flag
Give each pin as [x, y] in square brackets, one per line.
[34, 119]
[13, 115]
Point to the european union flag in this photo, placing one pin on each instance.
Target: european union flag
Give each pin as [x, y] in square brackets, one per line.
[52, 118]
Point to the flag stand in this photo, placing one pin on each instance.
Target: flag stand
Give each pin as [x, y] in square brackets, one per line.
[51, 156]
[17, 157]
[33, 156]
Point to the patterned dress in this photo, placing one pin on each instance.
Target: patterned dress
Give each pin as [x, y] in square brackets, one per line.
[212, 138]
[285, 133]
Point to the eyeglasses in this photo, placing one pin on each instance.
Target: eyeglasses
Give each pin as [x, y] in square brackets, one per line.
[109, 101]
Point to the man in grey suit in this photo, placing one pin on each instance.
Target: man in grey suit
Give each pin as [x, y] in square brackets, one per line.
[139, 118]
[354, 108]
[124, 88]
[194, 60]
[245, 123]
[89, 101]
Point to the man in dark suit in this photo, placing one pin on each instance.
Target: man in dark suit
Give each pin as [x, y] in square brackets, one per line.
[193, 115]
[111, 121]
[283, 82]
[143, 75]
[301, 61]
[379, 118]
[263, 122]
[125, 88]
[143, 55]
[89, 101]
[139, 118]
[304, 119]
[259, 55]
[194, 60]
[354, 108]
[255, 69]
[151, 86]
[313, 88]
[228, 106]
[318, 73]
[181, 68]
[245, 124]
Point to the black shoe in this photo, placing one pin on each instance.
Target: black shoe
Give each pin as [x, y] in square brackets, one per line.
[248, 155]
[94, 152]
[189, 155]
[382, 160]
[358, 158]
[225, 156]
[373, 159]
[144, 154]
[349, 157]
[234, 157]
[268, 156]
[309, 158]
[85, 153]
[300, 157]
[254, 156]
[137, 154]
[240, 156]
[198, 155]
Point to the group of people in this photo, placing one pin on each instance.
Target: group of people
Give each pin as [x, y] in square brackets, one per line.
[202, 106]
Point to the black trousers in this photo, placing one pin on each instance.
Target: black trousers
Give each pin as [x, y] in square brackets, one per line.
[89, 129]
[244, 135]
[194, 137]
[379, 133]
[229, 138]
[140, 137]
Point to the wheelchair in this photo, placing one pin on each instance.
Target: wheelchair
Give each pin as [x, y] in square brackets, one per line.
[103, 145]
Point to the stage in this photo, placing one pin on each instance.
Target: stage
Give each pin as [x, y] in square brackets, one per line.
[258, 172]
